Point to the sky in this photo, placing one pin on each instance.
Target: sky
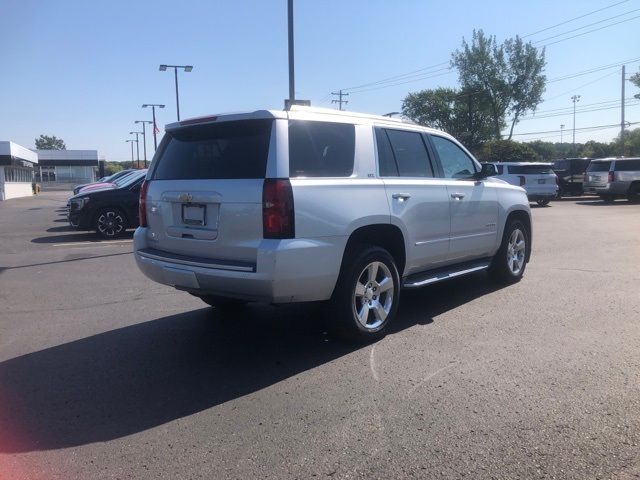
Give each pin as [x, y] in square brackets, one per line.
[81, 70]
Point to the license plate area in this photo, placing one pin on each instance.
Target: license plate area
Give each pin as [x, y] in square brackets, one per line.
[194, 214]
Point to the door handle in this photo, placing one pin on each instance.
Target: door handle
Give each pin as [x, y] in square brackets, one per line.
[457, 196]
[401, 196]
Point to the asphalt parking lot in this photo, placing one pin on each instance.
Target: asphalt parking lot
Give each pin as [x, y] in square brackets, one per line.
[105, 374]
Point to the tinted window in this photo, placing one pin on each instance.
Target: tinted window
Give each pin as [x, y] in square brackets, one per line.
[455, 162]
[321, 149]
[410, 153]
[599, 167]
[530, 169]
[386, 161]
[561, 164]
[215, 151]
[628, 165]
[500, 169]
[129, 180]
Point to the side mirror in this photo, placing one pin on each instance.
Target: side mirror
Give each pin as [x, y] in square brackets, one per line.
[487, 170]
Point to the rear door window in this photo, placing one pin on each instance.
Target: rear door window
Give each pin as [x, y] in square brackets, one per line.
[321, 149]
[628, 166]
[599, 167]
[226, 150]
[403, 153]
[530, 169]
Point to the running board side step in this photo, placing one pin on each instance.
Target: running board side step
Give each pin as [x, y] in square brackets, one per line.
[446, 273]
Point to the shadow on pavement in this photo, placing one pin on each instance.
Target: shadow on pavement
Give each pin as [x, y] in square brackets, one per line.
[76, 237]
[602, 203]
[134, 378]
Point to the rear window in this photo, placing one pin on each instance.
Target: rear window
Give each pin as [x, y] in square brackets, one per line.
[321, 149]
[628, 166]
[227, 150]
[530, 169]
[599, 167]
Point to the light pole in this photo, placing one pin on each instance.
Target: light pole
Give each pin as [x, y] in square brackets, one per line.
[561, 130]
[132, 141]
[575, 98]
[144, 139]
[137, 146]
[155, 128]
[186, 68]
[292, 82]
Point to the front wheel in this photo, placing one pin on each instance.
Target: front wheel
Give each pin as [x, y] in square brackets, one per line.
[543, 203]
[365, 300]
[110, 223]
[509, 263]
[634, 194]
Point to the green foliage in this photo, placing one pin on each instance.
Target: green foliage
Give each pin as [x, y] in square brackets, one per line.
[508, 75]
[448, 109]
[112, 167]
[635, 79]
[506, 151]
[46, 142]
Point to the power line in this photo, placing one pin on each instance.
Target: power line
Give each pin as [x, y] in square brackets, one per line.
[398, 77]
[586, 26]
[339, 101]
[590, 31]
[594, 127]
[573, 19]
[580, 86]
[583, 110]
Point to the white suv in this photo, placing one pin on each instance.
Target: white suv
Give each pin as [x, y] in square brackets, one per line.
[314, 204]
[538, 179]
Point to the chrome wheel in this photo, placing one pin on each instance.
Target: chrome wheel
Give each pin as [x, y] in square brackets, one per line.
[373, 295]
[516, 251]
[110, 223]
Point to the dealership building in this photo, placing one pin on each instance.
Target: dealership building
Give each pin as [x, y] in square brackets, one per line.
[17, 168]
[66, 166]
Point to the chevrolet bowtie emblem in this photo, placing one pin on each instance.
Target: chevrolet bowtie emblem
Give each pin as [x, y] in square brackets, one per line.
[185, 197]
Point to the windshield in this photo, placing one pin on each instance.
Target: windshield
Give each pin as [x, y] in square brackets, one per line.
[127, 180]
[599, 167]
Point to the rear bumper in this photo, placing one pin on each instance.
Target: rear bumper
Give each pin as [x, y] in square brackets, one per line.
[615, 188]
[296, 270]
[541, 196]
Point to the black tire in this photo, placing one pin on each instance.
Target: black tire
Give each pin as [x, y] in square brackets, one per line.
[501, 268]
[223, 303]
[607, 198]
[110, 223]
[377, 307]
[634, 193]
[543, 203]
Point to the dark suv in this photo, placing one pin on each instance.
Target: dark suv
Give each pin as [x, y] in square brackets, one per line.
[110, 212]
[571, 172]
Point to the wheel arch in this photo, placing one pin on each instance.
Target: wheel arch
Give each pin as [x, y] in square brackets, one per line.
[384, 235]
[525, 218]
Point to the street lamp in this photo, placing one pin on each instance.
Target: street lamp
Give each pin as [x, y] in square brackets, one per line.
[575, 98]
[561, 130]
[144, 138]
[137, 146]
[155, 128]
[132, 141]
[186, 68]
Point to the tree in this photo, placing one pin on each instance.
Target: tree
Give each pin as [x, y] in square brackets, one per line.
[46, 142]
[112, 167]
[448, 109]
[509, 75]
[506, 151]
[635, 79]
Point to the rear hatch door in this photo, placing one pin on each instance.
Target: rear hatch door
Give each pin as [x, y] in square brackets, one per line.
[539, 179]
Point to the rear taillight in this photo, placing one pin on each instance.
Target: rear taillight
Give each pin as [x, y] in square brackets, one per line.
[142, 205]
[523, 180]
[277, 209]
[610, 178]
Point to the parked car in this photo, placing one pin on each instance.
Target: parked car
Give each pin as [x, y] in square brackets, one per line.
[110, 212]
[105, 185]
[612, 178]
[571, 172]
[315, 204]
[107, 179]
[538, 179]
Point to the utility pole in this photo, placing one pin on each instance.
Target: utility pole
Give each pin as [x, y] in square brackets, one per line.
[131, 141]
[561, 130]
[470, 120]
[144, 138]
[292, 82]
[137, 146]
[155, 128]
[622, 117]
[575, 98]
[340, 101]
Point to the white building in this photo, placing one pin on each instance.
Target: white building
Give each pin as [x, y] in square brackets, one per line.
[66, 166]
[17, 165]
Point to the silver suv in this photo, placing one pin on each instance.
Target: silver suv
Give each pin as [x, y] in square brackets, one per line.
[613, 178]
[313, 205]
